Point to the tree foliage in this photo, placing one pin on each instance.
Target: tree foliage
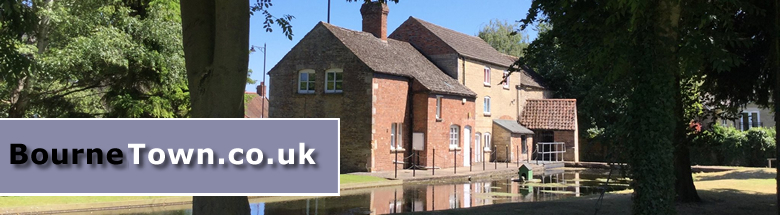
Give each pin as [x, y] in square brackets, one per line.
[502, 36]
[654, 65]
[93, 59]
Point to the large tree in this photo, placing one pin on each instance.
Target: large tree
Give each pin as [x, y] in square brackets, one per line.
[502, 36]
[664, 50]
[90, 58]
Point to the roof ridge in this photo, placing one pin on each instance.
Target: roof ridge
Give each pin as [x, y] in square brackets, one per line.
[421, 20]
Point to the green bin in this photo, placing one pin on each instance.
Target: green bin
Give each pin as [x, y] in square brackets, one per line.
[525, 173]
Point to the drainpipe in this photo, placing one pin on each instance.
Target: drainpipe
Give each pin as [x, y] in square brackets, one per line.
[463, 59]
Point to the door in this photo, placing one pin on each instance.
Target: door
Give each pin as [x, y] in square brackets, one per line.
[467, 146]
[478, 148]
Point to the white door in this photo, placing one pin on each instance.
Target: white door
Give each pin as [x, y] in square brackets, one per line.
[478, 148]
[466, 146]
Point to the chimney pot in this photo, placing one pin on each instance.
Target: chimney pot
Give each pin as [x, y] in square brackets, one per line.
[375, 19]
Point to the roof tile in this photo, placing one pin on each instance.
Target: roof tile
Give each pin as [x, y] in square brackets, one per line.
[550, 114]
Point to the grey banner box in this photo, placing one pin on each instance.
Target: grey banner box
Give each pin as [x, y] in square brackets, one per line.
[167, 179]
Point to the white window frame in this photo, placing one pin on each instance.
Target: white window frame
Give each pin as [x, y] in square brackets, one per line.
[334, 81]
[393, 131]
[486, 76]
[486, 105]
[309, 73]
[454, 137]
[438, 107]
[506, 78]
[487, 143]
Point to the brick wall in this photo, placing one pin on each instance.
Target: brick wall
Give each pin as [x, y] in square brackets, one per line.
[437, 131]
[320, 50]
[391, 104]
[568, 138]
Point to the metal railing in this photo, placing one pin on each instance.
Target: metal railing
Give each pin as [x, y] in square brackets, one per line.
[550, 151]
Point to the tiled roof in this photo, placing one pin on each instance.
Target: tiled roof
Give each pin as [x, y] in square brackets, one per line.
[528, 77]
[512, 126]
[398, 58]
[550, 114]
[467, 45]
[254, 107]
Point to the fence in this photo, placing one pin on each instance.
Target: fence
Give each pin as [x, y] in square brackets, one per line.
[550, 151]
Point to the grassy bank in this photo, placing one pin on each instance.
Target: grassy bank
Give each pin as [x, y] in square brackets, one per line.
[25, 201]
[741, 191]
[349, 178]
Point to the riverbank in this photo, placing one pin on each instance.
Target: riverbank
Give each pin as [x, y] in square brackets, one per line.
[739, 190]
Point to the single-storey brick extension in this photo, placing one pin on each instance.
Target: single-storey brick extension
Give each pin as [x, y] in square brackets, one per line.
[386, 90]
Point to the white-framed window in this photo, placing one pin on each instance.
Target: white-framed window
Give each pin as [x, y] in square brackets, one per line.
[487, 76]
[438, 107]
[506, 79]
[487, 142]
[396, 135]
[454, 136]
[749, 119]
[334, 79]
[306, 80]
[486, 105]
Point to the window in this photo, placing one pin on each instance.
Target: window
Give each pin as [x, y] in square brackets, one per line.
[486, 106]
[392, 135]
[487, 76]
[524, 144]
[333, 81]
[454, 134]
[506, 79]
[749, 119]
[306, 81]
[438, 107]
[396, 136]
[487, 141]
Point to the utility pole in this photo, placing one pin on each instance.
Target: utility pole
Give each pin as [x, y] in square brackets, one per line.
[262, 105]
[328, 11]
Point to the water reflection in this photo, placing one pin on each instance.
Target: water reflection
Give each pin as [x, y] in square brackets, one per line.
[413, 198]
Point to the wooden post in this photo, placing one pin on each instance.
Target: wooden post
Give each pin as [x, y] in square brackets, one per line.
[471, 158]
[517, 153]
[433, 171]
[495, 158]
[507, 157]
[483, 160]
[414, 164]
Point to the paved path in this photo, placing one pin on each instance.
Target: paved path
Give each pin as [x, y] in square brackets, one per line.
[476, 171]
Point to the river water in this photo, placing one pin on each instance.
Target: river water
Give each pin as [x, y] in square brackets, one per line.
[424, 197]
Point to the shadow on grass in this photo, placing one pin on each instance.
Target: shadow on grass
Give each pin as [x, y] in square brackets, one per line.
[744, 174]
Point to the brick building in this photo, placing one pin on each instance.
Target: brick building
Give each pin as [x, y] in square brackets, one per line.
[256, 103]
[422, 79]
[383, 90]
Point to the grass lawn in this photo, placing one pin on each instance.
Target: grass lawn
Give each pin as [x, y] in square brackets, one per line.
[21, 201]
[742, 191]
[351, 178]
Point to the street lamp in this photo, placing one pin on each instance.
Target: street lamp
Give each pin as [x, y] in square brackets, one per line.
[262, 100]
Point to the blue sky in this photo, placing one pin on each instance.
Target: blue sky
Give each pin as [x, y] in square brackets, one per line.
[460, 15]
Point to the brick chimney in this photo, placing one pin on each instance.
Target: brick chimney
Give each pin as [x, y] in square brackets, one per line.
[375, 19]
[261, 89]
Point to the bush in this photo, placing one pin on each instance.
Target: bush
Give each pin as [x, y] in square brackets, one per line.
[732, 147]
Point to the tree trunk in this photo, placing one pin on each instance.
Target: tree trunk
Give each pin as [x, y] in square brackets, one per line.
[216, 51]
[20, 94]
[651, 109]
[775, 59]
[220, 205]
[686, 190]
